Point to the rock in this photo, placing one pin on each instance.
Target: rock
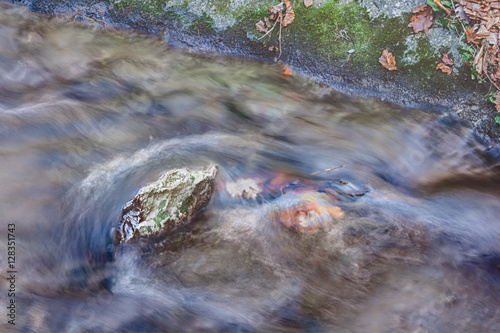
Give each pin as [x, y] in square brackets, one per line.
[174, 198]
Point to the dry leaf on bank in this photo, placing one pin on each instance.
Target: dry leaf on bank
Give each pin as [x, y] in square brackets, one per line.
[387, 60]
[496, 76]
[447, 60]
[276, 11]
[443, 68]
[261, 27]
[277, 8]
[497, 101]
[459, 11]
[493, 38]
[478, 63]
[482, 32]
[476, 36]
[491, 22]
[308, 3]
[422, 19]
[287, 71]
[289, 14]
[268, 24]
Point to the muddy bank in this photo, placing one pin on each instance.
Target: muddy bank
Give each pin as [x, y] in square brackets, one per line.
[335, 42]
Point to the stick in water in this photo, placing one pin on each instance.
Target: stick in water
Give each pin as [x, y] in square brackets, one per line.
[329, 169]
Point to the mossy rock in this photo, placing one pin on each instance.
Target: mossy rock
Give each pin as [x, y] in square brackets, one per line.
[173, 199]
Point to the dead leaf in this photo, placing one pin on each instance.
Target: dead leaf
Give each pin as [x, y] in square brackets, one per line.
[333, 211]
[268, 24]
[443, 68]
[261, 27]
[492, 38]
[478, 64]
[387, 60]
[423, 18]
[447, 60]
[308, 3]
[476, 36]
[497, 101]
[419, 8]
[485, 60]
[276, 8]
[469, 33]
[496, 76]
[289, 14]
[287, 72]
[459, 11]
[482, 32]
[492, 21]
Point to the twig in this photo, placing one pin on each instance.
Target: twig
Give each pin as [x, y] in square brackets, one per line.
[279, 36]
[267, 33]
[440, 5]
[493, 83]
[329, 169]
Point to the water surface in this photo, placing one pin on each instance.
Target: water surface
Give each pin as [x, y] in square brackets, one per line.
[89, 117]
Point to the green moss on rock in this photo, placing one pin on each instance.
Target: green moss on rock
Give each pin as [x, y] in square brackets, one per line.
[343, 34]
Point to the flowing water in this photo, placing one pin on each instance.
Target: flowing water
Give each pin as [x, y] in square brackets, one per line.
[89, 117]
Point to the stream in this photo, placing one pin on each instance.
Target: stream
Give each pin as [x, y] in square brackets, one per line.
[88, 117]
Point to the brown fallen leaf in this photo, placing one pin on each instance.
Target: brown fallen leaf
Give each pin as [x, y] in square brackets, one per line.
[443, 68]
[496, 75]
[485, 60]
[492, 21]
[268, 24]
[447, 60]
[493, 38]
[308, 3]
[476, 36]
[261, 27]
[387, 60]
[276, 8]
[497, 101]
[482, 32]
[459, 11]
[478, 63]
[423, 18]
[287, 71]
[470, 35]
[276, 11]
[289, 14]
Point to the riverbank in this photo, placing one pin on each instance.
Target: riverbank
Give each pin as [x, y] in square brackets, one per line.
[334, 42]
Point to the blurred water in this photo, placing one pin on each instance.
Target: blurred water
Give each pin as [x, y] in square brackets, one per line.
[89, 117]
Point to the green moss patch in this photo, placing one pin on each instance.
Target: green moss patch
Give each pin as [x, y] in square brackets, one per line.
[185, 205]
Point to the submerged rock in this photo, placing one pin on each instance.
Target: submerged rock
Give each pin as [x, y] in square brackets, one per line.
[309, 211]
[174, 198]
